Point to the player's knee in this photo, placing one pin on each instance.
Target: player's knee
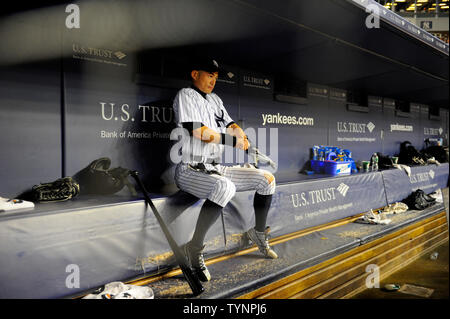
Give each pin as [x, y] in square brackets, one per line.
[231, 188]
[267, 186]
[226, 187]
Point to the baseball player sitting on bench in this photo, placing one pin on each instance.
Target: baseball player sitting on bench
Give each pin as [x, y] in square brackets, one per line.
[203, 114]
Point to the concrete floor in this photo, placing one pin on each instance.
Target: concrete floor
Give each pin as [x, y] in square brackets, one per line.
[423, 272]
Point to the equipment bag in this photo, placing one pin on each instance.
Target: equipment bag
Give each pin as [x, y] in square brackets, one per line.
[98, 178]
[410, 156]
[384, 162]
[436, 151]
[419, 200]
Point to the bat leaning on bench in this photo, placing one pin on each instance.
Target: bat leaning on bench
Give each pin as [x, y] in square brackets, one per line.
[191, 277]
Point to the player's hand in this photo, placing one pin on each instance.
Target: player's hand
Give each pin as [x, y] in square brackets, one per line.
[242, 143]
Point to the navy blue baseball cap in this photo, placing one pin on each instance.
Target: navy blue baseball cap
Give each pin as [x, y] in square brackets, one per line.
[206, 64]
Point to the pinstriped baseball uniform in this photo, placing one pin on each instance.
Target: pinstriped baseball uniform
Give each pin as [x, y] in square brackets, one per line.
[190, 106]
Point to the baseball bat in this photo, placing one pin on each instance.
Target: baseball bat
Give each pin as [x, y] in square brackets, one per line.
[189, 275]
[259, 157]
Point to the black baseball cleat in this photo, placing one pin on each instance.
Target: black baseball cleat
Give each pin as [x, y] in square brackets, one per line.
[194, 255]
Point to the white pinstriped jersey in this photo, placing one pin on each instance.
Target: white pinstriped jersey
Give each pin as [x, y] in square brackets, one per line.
[190, 106]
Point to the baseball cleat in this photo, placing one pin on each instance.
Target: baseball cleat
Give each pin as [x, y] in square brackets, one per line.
[195, 257]
[260, 239]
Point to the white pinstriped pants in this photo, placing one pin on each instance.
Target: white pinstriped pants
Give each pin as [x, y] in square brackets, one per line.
[220, 189]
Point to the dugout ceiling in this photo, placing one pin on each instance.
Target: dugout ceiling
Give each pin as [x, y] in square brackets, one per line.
[327, 42]
[321, 41]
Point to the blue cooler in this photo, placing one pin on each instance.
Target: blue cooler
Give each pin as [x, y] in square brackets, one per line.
[337, 167]
[337, 161]
[318, 166]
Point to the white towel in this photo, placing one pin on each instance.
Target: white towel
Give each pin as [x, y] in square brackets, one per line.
[437, 195]
[372, 218]
[7, 204]
[404, 168]
[395, 208]
[433, 161]
[119, 290]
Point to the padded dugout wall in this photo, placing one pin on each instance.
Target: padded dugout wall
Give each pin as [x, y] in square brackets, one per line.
[30, 126]
[102, 101]
[120, 241]
[118, 106]
[362, 133]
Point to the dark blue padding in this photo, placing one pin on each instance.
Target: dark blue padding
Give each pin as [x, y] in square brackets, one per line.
[108, 239]
[398, 184]
[30, 124]
[115, 237]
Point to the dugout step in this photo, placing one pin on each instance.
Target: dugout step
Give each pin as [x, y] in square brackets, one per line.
[241, 274]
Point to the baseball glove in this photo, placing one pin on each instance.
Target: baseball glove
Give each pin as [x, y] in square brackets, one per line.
[60, 190]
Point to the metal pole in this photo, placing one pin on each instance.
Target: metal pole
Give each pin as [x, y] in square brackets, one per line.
[415, 9]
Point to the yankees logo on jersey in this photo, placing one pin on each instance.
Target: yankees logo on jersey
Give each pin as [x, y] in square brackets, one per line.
[219, 119]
